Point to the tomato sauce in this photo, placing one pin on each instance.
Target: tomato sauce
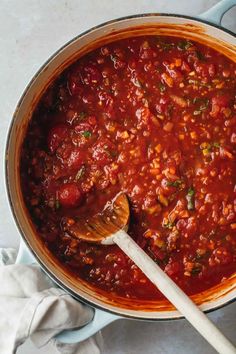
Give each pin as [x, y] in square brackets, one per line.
[154, 117]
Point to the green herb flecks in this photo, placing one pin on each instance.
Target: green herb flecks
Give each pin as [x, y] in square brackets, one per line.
[198, 83]
[87, 134]
[178, 183]
[82, 115]
[196, 270]
[57, 204]
[196, 100]
[112, 153]
[190, 198]
[207, 148]
[164, 45]
[184, 45]
[203, 104]
[168, 224]
[167, 46]
[80, 173]
[200, 55]
[161, 87]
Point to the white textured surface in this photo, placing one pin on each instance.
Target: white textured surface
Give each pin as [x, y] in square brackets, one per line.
[30, 31]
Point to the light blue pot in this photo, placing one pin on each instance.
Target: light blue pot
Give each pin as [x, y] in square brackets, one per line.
[204, 26]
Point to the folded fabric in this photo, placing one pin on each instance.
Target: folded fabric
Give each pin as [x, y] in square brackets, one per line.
[32, 306]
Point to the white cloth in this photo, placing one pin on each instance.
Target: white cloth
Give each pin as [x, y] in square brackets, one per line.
[32, 306]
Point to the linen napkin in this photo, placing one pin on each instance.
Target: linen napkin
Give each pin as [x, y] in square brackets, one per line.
[32, 306]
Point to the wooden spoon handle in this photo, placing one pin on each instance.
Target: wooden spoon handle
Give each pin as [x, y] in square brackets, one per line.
[174, 294]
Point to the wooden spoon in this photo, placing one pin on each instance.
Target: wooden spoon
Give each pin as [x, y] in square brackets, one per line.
[108, 228]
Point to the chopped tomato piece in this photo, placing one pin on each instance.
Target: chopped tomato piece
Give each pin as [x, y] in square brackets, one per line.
[56, 136]
[76, 159]
[70, 195]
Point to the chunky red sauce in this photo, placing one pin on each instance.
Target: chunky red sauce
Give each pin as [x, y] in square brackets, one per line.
[154, 117]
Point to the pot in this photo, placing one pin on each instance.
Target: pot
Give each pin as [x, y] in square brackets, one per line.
[32, 249]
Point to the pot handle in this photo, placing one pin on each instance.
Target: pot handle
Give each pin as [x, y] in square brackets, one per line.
[24, 255]
[215, 13]
[100, 319]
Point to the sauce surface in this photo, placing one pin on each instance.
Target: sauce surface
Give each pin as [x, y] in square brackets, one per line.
[154, 117]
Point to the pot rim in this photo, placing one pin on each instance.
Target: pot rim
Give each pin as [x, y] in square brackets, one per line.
[6, 172]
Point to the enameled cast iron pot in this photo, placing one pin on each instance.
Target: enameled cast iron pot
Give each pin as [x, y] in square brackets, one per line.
[206, 29]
